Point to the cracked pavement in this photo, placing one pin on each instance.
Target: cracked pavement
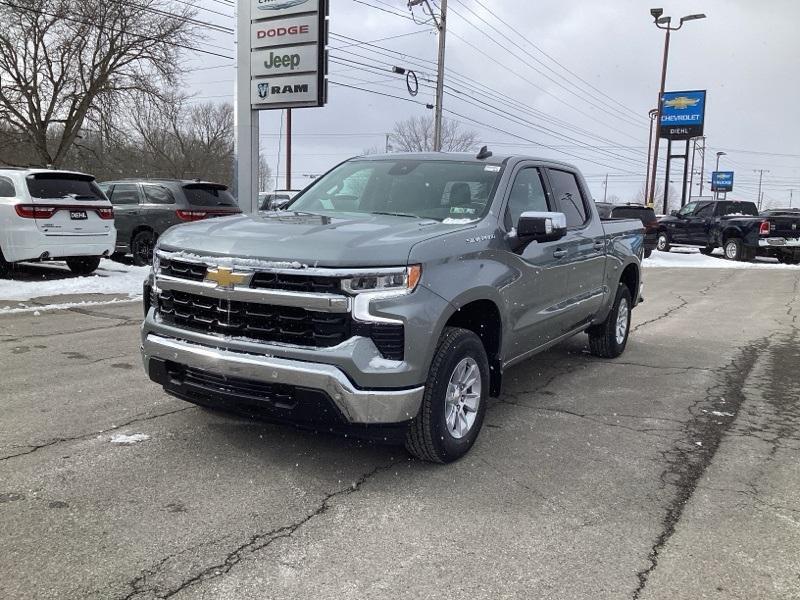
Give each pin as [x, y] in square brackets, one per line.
[671, 473]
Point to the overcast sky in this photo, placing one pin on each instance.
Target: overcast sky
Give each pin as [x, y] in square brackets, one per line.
[586, 100]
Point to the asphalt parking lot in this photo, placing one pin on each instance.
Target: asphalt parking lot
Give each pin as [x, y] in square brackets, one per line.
[671, 473]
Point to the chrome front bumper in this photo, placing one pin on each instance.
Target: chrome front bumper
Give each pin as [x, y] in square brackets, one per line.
[357, 406]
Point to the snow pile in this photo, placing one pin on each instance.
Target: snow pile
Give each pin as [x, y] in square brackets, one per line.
[690, 258]
[129, 440]
[55, 279]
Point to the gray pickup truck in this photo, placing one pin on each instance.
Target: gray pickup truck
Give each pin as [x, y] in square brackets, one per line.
[391, 296]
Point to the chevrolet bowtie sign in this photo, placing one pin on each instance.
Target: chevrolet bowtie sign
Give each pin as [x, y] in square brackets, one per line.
[288, 55]
[683, 115]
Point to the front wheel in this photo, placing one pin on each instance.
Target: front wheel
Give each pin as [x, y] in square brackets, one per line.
[142, 247]
[83, 265]
[663, 244]
[456, 393]
[609, 338]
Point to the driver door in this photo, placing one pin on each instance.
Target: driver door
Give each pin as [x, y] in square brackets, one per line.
[533, 299]
[679, 228]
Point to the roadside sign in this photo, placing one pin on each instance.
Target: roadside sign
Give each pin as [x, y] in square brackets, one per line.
[722, 181]
[288, 56]
[682, 115]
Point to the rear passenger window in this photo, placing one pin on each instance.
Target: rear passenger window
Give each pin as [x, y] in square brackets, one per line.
[124, 194]
[156, 194]
[568, 197]
[7, 188]
[527, 195]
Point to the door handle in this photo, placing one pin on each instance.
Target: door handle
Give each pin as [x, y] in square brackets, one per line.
[559, 253]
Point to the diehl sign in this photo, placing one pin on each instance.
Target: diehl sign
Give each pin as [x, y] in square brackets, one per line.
[682, 115]
[722, 181]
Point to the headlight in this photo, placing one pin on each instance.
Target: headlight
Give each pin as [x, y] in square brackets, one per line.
[388, 280]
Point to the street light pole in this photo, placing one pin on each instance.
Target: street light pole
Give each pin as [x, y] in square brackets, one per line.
[652, 115]
[441, 25]
[716, 170]
[760, 179]
[664, 23]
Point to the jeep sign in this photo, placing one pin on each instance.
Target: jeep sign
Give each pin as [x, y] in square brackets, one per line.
[285, 60]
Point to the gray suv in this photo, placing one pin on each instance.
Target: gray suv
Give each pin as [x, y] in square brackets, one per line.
[144, 209]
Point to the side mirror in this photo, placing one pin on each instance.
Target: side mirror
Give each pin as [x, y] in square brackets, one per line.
[541, 227]
[674, 213]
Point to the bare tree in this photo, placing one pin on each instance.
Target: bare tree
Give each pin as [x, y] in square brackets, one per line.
[416, 135]
[62, 61]
[658, 197]
[265, 182]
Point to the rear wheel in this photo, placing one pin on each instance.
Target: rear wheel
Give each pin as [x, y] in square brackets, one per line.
[142, 246]
[663, 244]
[609, 338]
[5, 267]
[454, 403]
[789, 259]
[736, 250]
[83, 265]
[648, 252]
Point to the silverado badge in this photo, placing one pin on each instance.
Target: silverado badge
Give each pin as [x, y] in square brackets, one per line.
[225, 278]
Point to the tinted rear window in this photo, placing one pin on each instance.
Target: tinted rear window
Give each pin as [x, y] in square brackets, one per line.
[645, 215]
[208, 196]
[738, 208]
[59, 185]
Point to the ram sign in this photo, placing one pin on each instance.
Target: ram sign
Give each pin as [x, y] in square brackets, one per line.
[288, 58]
[722, 181]
[682, 115]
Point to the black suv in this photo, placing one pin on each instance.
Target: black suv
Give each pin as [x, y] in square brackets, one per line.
[144, 209]
[634, 211]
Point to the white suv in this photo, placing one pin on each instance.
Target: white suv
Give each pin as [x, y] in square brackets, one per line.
[47, 214]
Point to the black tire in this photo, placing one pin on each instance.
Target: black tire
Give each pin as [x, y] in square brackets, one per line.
[707, 250]
[663, 244]
[83, 265]
[5, 267]
[603, 339]
[429, 438]
[142, 246]
[118, 257]
[648, 252]
[734, 249]
[786, 259]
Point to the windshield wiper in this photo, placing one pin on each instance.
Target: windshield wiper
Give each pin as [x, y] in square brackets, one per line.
[394, 214]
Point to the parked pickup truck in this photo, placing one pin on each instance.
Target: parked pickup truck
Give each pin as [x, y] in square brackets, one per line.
[734, 226]
[391, 296]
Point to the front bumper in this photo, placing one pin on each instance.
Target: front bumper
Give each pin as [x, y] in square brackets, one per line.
[357, 406]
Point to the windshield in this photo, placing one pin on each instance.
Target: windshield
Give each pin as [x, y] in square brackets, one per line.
[61, 185]
[208, 195]
[448, 191]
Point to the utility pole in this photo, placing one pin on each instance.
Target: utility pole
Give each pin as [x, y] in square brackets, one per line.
[760, 179]
[703, 167]
[288, 148]
[605, 189]
[441, 25]
[791, 194]
[388, 145]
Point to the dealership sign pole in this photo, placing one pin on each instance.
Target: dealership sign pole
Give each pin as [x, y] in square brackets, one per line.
[281, 62]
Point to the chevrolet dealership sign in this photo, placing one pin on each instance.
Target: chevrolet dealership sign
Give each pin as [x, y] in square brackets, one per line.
[683, 115]
[288, 56]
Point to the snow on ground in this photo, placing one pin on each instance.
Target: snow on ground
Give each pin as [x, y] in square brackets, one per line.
[129, 440]
[54, 279]
[690, 258]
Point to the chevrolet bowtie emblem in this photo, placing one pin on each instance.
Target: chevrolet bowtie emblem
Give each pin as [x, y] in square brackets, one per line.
[226, 278]
[682, 102]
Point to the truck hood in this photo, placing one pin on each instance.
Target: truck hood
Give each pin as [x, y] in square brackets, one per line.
[309, 239]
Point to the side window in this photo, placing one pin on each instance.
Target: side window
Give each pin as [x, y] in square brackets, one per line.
[568, 198]
[704, 210]
[123, 194]
[157, 194]
[527, 195]
[7, 188]
[688, 209]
